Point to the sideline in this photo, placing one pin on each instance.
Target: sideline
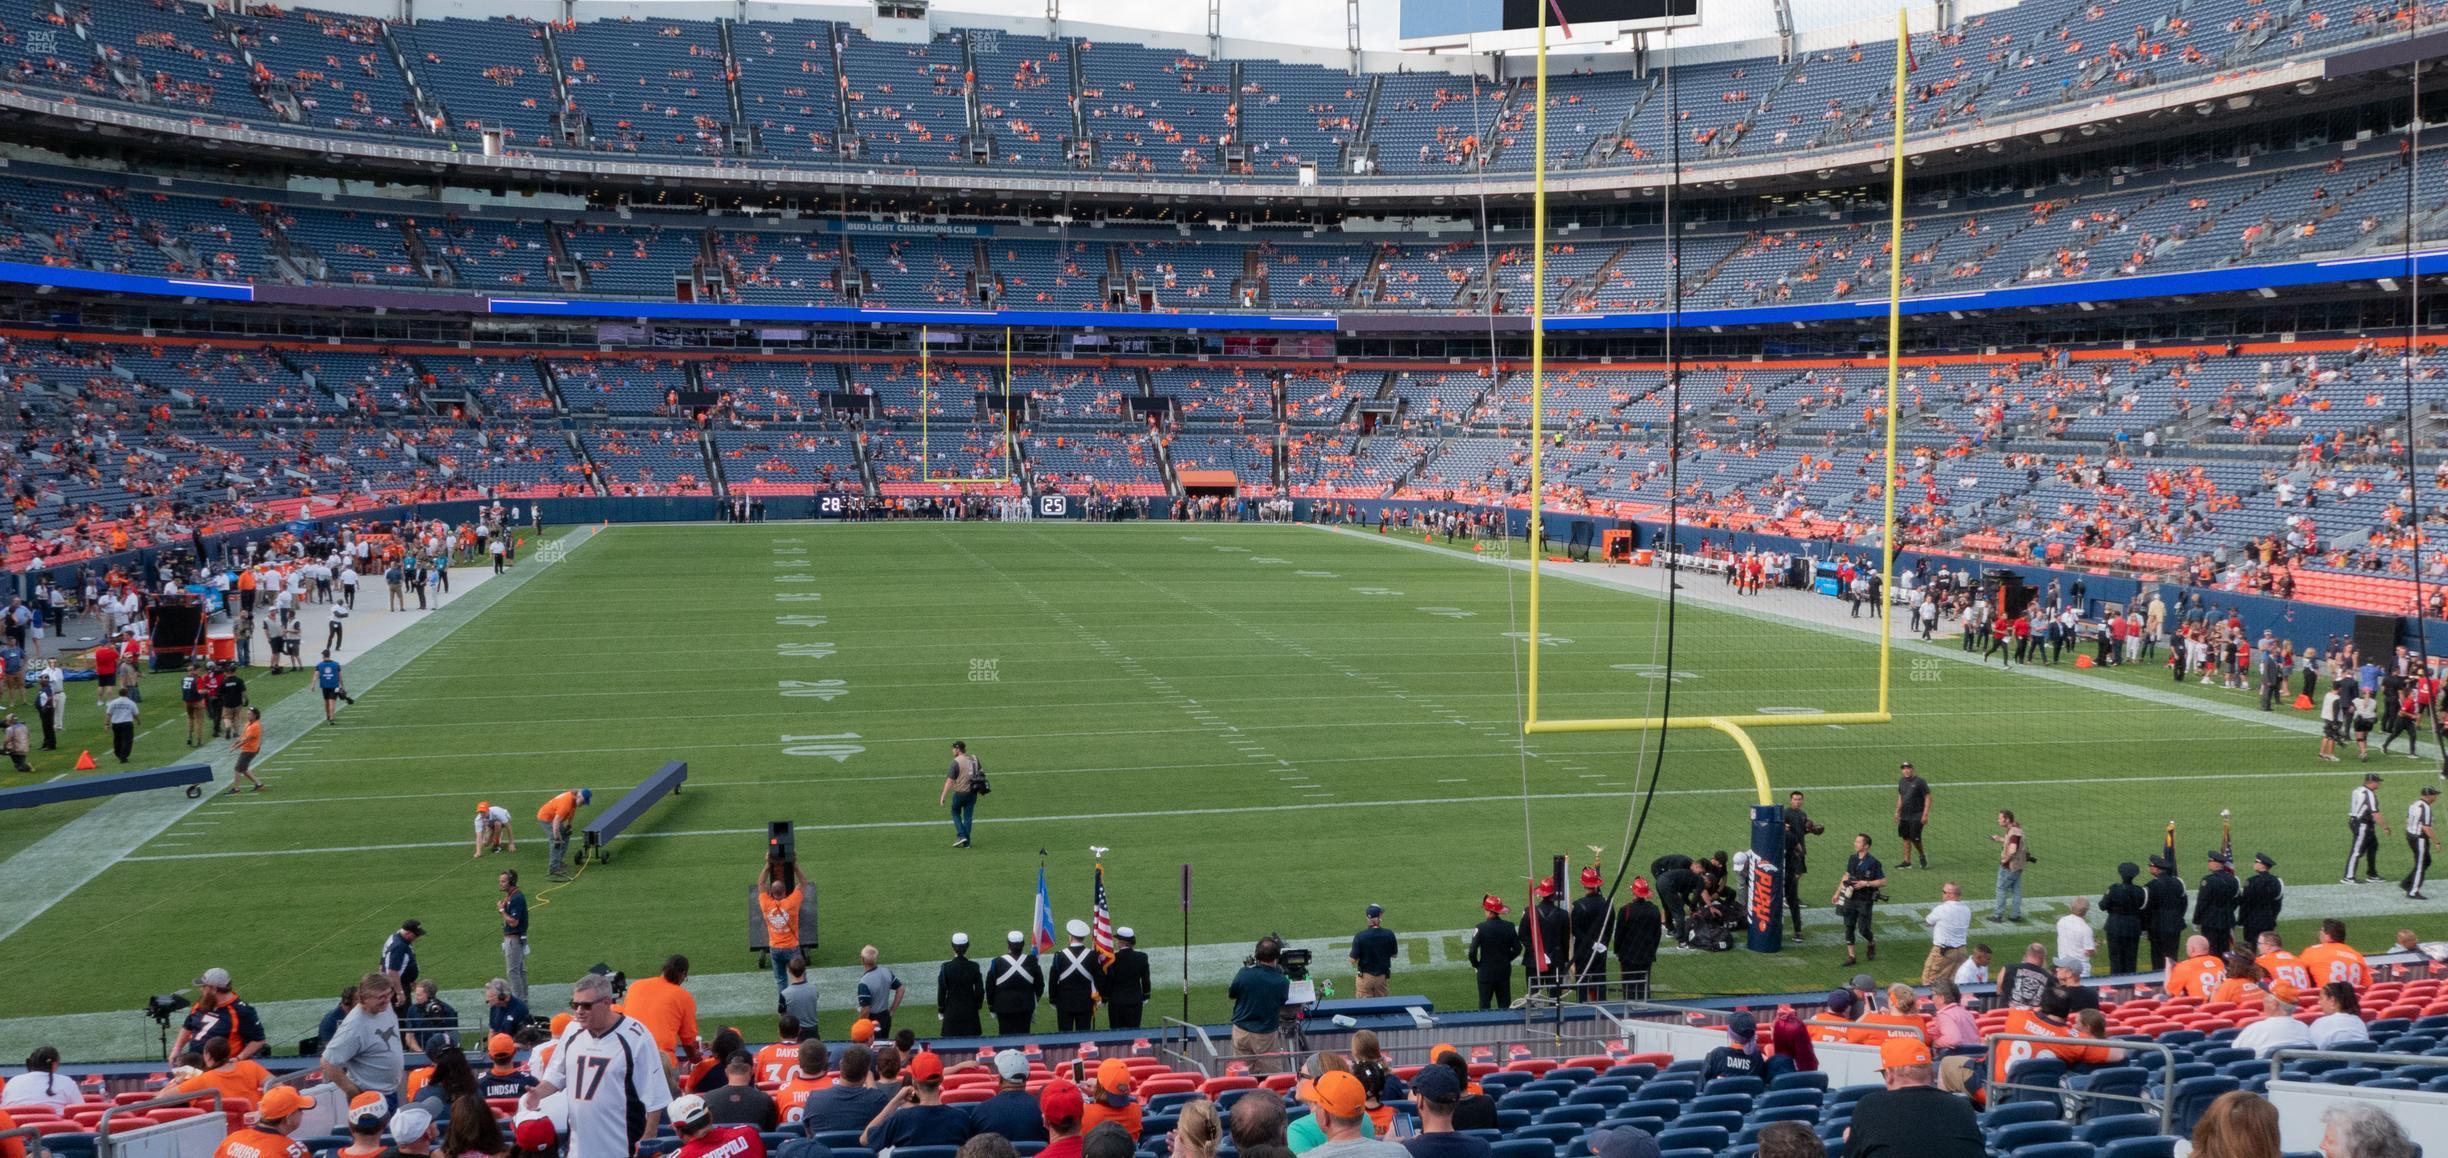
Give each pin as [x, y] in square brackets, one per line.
[46, 872]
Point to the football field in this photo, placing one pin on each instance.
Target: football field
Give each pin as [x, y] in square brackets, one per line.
[1312, 720]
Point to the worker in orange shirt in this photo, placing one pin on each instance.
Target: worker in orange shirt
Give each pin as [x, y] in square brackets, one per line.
[559, 815]
[780, 897]
[2335, 960]
[249, 743]
[2199, 974]
[668, 1011]
[276, 1117]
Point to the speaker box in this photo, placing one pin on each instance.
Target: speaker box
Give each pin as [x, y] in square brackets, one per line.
[2375, 637]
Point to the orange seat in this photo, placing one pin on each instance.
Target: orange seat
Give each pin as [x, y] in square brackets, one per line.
[1214, 1086]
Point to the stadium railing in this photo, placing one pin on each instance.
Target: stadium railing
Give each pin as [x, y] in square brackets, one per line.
[2300, 1101]
[627, 810]
[189, 776]
[194, 1135]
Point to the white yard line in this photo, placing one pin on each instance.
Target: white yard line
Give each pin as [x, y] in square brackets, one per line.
[49, 870]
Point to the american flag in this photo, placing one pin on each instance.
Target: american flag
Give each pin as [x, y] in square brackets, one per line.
[1101, 924]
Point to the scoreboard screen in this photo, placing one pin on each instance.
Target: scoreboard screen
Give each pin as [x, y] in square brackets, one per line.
[1524, 14]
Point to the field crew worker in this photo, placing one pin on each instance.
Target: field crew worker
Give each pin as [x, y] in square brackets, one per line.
[612, 1072]
[558, 814]
[1372, 955]
[276, 1117]
[778, 904]
[492, 829]
[1014, 983]
[249, 744]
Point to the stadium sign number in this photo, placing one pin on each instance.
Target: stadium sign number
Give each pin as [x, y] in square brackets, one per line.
[1053, 506]
[830, 504]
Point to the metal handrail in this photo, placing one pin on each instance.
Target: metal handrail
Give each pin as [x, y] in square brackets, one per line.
[2279, 1059]
[102, 1130]
[33, 1137]
[2167, 1063]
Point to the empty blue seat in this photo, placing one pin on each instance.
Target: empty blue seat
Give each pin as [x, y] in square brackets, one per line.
[1652, 1125]
[1522, 1148]
[1798, 1080]
[2107, 1130]
[1725, 1120]
[2017, 1135]
[1584, 1115]
[2052, 1150]
[2351, 1076]
[1530, 1101]
[1774, 1099]
[2008, 1115]
[838, 1139]
[1504, 1080]
[1689, 1152]
[2222, 1056]
[2388, 1025]
[2392, 1084]
[1716, 1104]
[1708, 1138]
[1599, 1095]
[1648, 1108]
[2192, 1096]
[1848, 1095]
[1548, 1085]
[1574, 1075]
[1554, 1133]
[2046, 1072]
[2152, 1147]
[1746, 1086]
[1670, 1089]
[1767, 1114]
[2122, 1081]
[1163, 1102]
[1510, 1120]
[1642, 1070]
[2178, 1038]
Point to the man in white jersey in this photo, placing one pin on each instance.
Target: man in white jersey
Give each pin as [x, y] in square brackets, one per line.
[613, 1073]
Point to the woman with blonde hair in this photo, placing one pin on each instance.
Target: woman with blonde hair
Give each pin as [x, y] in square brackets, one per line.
[1199, 1131]
[2240, 1124]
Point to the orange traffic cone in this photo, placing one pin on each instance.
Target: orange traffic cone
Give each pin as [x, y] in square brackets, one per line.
[85, 761]
[2303, 703]
[2082, 661]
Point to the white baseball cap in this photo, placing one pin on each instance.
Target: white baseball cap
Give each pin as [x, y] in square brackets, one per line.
[687, 1110]
[411, 1124]
[1011, 1065]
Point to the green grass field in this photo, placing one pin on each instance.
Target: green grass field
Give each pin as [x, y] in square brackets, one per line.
[1312, 720]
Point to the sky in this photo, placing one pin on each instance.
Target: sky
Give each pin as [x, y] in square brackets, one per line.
[1321, 21]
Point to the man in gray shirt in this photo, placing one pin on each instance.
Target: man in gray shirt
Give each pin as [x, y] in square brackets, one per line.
[799, 997]
[879, 993]
[365, 1053]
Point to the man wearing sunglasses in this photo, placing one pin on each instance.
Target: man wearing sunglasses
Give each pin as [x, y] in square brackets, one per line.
[613, 1073]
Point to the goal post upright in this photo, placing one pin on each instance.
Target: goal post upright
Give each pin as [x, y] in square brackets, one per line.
[926, 399]
[1734, 727]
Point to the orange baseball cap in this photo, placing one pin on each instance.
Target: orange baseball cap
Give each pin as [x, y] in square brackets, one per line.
[1903, 1051]
[862, 1030]
[369, 1110]
[1438, 1051]
[1113, 1076]
[484, 806]
[281, 1102]
[560, 1022]
[1339, 1093]
[500, 1045]
[924, 1066]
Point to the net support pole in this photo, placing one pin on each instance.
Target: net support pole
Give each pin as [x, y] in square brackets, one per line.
[1538, 357]
[1895, 364]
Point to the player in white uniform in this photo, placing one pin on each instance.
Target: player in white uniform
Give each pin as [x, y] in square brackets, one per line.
[607, 1063]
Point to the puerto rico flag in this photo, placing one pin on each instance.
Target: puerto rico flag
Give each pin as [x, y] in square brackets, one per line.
[1043, 921]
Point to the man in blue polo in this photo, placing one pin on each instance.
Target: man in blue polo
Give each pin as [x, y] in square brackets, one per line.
[327, 677]
[1258, 995]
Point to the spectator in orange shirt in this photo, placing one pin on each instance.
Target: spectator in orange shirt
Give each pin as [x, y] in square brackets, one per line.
[810, 1076]
[249, 744]
[1835, 1026]
[2244, 985]
[237, 1080]
[2335, 960]
[558, 815]
[275, 1118]
[667, 1010]
[2047, 1021]
[775, 1062]
[1109, 1099]
[10, 1147]
[2199, 974]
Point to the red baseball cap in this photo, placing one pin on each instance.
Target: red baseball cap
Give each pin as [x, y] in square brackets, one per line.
[924, 1066]
[1061, 1104]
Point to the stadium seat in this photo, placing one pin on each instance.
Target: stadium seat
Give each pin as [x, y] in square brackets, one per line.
[1766, 1114]
[1599, 1095]
[1716, 1104]
[2009, 1138]
[1530, 1101]
[1522, 1148]
[2192, 1096]
[1802, 1096]
[2148, 1147]
[1557, 1133]
[1709, 1138]
[2046, 1072]
[1798, 1080]
[1745, 1086]
[1584, 1115]
[926, 1152]
[2013, 1113]
[2106, 1130]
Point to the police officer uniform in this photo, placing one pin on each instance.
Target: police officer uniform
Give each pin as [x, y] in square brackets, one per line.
[2214, 903]
[2163, 911]
[1493, 946]
[960, 991]
[1127, 984]
[2262, 898]
[2123, 904]
[1073, 985]
[1013, 985]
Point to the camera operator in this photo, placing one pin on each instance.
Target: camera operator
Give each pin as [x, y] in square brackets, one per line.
[1258, 994]
[218, 1013]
